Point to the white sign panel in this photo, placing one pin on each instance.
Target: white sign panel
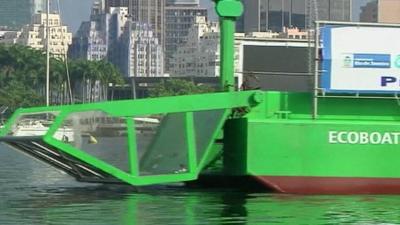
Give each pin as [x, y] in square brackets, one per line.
[361, 59]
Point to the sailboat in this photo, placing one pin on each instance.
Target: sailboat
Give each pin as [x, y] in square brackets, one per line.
[38, 125]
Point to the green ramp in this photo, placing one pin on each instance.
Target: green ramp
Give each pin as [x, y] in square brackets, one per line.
[139, 142]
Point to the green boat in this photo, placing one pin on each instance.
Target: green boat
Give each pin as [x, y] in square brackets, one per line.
[299, 143]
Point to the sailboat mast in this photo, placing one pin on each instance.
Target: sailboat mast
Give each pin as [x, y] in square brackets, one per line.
[47, 53]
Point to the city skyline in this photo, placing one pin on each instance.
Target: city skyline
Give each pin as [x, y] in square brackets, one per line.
[275, 15]
[74, 12]
[76, 15]
[73, 15]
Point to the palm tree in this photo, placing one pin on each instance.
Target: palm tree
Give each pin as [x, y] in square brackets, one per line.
[23, 68]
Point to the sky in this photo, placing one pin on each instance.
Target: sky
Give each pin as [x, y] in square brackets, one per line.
[76, 11]
[73, 12]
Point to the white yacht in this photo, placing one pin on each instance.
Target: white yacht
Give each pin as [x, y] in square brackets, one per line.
[37, 128]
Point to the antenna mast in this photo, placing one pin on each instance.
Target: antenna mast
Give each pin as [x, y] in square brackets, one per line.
[47, 53]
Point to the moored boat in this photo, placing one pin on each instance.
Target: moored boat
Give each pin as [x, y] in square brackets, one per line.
[28, 128]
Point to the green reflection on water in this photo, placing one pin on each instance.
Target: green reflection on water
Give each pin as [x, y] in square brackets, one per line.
[178, 206]
[32, 193]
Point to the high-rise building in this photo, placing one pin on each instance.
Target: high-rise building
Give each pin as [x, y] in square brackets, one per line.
[334, 10]
[116, 20]
[15, 14]
[141, 54]
[179, 18]
[89, 42]
[183, 2]
[38, 6]
[199, 56]
[114, 27]
[115, 3]
[381, 11]
[275, 15]
[151, 12]
[131, 46]
[97, 39]
[34, 35]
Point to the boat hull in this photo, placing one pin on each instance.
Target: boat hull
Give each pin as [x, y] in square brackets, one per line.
[347, 151]
[330, 185]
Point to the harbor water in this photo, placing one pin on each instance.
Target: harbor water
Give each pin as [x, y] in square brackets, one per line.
[34, 193]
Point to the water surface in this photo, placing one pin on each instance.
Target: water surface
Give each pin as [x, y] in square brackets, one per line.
[33, 193]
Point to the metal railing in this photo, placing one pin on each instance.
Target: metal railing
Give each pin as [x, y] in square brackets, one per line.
[319, 92]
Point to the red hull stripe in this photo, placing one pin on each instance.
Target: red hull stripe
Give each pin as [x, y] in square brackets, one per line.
[331, 185]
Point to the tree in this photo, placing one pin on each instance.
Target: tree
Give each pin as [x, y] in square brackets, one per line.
[173, 87]
[89, 75]
[16, 95]
[23, 77]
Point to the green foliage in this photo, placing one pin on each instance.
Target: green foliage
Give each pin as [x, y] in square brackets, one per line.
[23, 76]
[16, 95]
[173, 87]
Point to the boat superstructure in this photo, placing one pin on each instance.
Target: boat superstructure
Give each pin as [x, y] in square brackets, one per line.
[306, 143]
[30, 128]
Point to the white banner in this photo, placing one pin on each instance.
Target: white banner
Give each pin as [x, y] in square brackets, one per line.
[361, 59]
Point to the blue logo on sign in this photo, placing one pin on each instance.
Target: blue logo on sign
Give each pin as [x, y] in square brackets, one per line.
[371, 61]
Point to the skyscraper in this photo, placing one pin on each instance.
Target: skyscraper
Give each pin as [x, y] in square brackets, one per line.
[334, 10]
[183, 2]
[38, 6]
[34, 35]
[180, 16]
[264, 15]
[14, 14]
[199, 56]
[115, 3]
[150, 12]
[141, 54]
[381, 11]
[89, 43]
